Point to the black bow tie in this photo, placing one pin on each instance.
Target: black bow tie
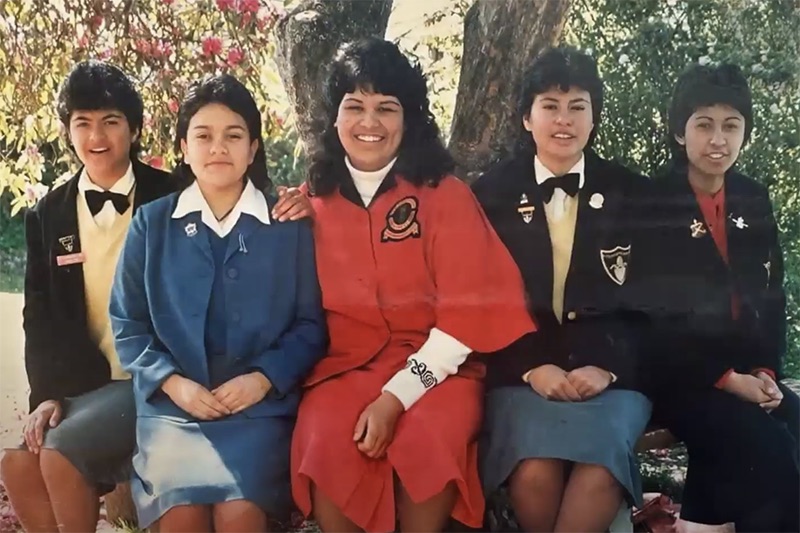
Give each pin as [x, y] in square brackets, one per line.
[568, 183]
[97, 199]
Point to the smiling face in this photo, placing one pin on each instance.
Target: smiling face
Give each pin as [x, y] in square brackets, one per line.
[370, 128]
[560, 123]
[102, 140]
[713, 138]
[217, 147]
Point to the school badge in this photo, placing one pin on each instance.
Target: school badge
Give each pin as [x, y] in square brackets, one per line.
[68, 242]
[525, 209]
[615, 263]
[190, 229]
[697, 229]
[401, 221]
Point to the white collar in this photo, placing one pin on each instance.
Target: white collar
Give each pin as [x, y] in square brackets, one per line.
[122, 186]
[543, 173]
[251, 202]
[374, 175]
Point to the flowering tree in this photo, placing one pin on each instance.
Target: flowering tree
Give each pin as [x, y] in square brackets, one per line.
[165, 44]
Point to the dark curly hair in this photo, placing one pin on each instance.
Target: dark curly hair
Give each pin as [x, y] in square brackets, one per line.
[378, 66]
[702, 86]
[226, 90]
[93, 85]
[562, 67]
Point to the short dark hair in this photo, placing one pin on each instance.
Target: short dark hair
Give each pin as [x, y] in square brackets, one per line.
[703, 86]
[93, 85]
[377, 65]
[559, 67]
[226, 90]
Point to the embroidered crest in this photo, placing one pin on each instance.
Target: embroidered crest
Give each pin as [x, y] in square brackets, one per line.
[596, 201]
[525, 210]
[190, 229]
[401, 221]
[615, 263]
[697, 229]
[420, 369]
[738, 222]
[68, 242]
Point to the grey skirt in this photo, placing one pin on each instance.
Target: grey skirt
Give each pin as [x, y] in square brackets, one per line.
[97, 434]
[519, 424]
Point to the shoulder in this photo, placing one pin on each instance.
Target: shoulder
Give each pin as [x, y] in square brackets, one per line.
[158, 211]
[746, 185]
[500, 175]
[615, 174]
[153, 179]
[57, 196]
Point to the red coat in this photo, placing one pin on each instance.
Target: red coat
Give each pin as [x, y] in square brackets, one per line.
[416, 258]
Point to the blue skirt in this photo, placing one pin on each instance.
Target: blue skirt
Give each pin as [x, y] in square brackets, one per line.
[202, 463]
[519, 424]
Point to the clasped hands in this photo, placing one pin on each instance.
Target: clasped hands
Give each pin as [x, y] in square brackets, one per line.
[233, 396]
[554, 383]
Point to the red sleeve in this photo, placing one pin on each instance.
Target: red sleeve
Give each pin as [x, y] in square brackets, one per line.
[720, 384]
[771, 373]
[480, 292]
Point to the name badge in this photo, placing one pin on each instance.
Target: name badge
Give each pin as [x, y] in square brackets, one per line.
[70, 259]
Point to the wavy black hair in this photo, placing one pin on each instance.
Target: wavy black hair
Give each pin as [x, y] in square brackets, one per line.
[559, 67]
[378, 66]
[704, 86]
[226, 90]
[93, 85]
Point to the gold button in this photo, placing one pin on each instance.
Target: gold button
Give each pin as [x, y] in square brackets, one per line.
[571, 315]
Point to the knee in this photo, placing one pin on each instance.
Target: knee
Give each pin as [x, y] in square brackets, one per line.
[536, 475]
[17, 465]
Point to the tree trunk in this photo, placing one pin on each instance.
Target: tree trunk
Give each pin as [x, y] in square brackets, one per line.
[501, 39]
[307, 38]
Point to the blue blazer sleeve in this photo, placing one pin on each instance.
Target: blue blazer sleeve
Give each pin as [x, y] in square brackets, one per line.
[295, 353]
[139, 350]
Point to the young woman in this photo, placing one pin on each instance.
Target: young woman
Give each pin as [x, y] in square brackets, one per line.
[79, 436]
[716, 275]
[216, 313]
[562, 413]
[413, 281]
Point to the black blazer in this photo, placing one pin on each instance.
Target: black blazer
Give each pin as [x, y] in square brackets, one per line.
[694, 339]
[60, 359]
[597, 329]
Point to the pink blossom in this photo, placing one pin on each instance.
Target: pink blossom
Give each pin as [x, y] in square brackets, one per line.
[142, 46]
[105, 53]
[212, 46]
[167, 2]
[235, 56]
[225, 5]
[249, 6]
[155, 161]
[173, 106]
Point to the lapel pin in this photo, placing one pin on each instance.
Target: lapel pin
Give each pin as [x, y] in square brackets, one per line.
[768, 266]
[526, 212]
[68, 242]
[739, 222]
[190, 229]
[596, 201]
[697, 229]
[523, 199]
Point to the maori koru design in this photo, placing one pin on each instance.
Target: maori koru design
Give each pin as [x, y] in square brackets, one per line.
[421, 369]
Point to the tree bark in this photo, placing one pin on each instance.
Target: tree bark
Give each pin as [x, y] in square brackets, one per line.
[307, 38]
[501, 39]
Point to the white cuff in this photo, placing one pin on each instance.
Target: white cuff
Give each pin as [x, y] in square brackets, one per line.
[438, 358]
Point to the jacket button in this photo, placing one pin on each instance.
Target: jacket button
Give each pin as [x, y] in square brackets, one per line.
[233, 273]
[571, 315]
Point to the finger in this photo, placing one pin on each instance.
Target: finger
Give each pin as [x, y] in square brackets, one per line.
[38, 431]
[293, 206]
[29, 437]
[372, 437]
[361, 427]
[208, 399]
[571, 393]
[55, 418]
[281, 190]
[296, 212]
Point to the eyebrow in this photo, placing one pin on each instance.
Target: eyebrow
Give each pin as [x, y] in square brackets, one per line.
[205, 127]
[382, 102]
[573, 101]
[104, 117]
[700, 117]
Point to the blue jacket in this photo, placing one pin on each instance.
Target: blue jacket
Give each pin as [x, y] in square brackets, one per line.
[160, 298]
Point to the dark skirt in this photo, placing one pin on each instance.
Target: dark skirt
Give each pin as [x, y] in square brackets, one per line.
[179, 462]
[519, 424]
[97, 434]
